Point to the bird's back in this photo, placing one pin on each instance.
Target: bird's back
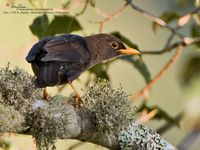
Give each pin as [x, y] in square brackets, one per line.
[56, 58]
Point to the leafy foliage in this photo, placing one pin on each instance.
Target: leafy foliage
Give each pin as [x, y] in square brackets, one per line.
[161, 114]
[65, 5]
[195, 32]
[39, 26]
[60, 24]
[100, 70]
[4, 144]
[167, 16]
[183, 3]
[138, 64]
[192, 69]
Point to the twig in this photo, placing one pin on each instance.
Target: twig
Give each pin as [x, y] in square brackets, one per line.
[173, 34]
[187, 41]
[107, 16]
[83, 10]
[16, 142]
[183, 20]
[32, 147]
[169, 125]
[147, 116]
[169, 41]
[75, 145]
[155, 19]
[76, 4]
[168, 47]
[161, 73]
[195, 11]
[179, 26]
[189, 140]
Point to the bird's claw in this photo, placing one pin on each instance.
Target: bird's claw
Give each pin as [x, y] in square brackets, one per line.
[78, 100]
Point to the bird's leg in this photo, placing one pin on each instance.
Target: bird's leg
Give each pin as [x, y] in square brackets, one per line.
[77, 97]
[45, 94]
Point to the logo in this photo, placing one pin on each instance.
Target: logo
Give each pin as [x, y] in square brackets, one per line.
[17, 7]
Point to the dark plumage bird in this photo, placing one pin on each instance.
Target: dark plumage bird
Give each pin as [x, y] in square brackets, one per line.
[60, 59]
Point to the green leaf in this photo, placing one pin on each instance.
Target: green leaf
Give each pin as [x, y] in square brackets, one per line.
[184, 4]
[191, 69]
[5, 145]
[167, 16]
[161, 114]
[60, 24]
[93, 3]
[195, 32]
[124, 40]
[66, 5]
[39, 26]
[100, 70]
[140, 65]
[63, 24]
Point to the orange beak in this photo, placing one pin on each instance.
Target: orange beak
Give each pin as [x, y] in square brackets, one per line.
[129, 51]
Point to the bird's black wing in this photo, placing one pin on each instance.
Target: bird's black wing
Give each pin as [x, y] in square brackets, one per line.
[66, 47]
[46, 54]
[71, 48]
[37, 49]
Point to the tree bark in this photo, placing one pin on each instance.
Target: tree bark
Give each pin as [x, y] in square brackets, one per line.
[105, 117]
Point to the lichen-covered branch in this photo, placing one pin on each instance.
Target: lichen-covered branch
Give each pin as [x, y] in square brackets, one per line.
[105, 117]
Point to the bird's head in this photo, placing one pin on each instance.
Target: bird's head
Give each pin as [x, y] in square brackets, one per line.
[108, 46]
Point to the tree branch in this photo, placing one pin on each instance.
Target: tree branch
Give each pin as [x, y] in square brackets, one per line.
[185, 40]
[190, 41]
[106, 117]
[155, 19]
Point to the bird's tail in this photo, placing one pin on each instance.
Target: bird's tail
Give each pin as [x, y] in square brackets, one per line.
[47, 74]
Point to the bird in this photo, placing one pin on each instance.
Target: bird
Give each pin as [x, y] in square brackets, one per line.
[58, 60]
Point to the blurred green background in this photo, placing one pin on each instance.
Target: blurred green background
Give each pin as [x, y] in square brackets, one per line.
[168, 93]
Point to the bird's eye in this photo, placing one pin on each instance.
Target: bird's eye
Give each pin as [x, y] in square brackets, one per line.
[114, 45]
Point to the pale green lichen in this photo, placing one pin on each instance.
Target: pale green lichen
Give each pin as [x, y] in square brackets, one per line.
[17, 93]
[136, 137]
[10, 119]
[51, 122]
[17, 88]
[111, 108]
[114, 114]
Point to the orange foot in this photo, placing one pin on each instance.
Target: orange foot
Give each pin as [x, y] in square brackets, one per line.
[45, 94]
